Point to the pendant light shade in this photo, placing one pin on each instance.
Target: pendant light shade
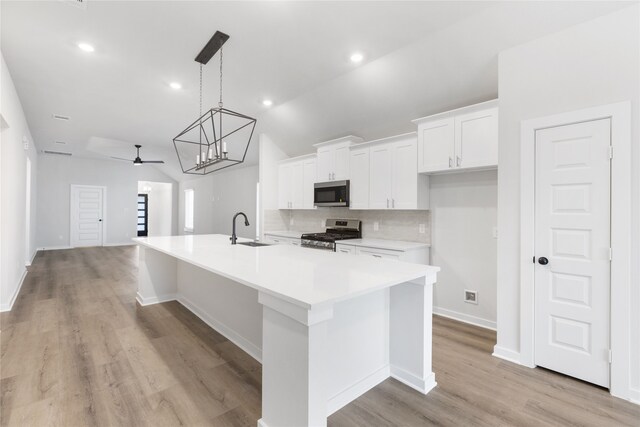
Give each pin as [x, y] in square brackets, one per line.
[219, 138]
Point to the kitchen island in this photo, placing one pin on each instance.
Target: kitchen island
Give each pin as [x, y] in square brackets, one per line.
[326, 326]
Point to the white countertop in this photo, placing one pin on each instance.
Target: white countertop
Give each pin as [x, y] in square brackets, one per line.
[287, 234]
[302, 276]
[393, 245]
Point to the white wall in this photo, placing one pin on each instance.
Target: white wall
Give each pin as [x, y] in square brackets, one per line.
[591, 64]
[160, 207]
[57, 173]
[13, 182]
[218, 197]
[268, 157]
[463, 217]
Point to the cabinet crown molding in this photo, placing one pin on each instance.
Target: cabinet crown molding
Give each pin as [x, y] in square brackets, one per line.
[347, 140]
[385, 140]
[463, 110]
[298, 158]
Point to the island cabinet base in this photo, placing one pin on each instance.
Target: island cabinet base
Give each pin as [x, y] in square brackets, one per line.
[315, 360]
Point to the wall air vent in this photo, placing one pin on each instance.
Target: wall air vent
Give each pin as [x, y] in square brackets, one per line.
[59, 153]
[61, 117]
[80, 4]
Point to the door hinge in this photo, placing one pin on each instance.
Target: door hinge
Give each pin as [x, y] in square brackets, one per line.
[611, 151]
[610, 254]
[610, 356]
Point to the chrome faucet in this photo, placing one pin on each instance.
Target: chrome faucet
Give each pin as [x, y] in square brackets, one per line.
[233, 232]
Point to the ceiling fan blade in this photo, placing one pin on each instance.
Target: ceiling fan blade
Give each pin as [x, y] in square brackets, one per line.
[153, 161]
[120, 158]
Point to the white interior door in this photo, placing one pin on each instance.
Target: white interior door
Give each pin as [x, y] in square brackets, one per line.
[572, 234]
[86, 215]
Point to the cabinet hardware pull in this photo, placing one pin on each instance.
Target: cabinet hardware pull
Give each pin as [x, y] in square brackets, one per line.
[377, 256]
[393, 203]
[458, 160]
[450, 161]
[387, 203]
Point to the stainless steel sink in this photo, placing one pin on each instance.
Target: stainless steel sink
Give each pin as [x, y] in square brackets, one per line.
[253, 244]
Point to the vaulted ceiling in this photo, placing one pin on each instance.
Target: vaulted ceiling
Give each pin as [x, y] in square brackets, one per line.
[420, 58]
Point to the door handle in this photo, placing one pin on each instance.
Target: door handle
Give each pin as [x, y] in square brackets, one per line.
[450, 162]
[543, 261]
[458, 160]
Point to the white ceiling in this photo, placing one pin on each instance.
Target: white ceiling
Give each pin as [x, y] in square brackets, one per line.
[420, 57]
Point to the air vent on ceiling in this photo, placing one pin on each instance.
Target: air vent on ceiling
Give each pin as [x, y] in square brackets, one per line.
[59, 153]
[80, 4]
[61, 117]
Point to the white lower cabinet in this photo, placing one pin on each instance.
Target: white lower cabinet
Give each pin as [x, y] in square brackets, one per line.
[399, 251]
[279, 240]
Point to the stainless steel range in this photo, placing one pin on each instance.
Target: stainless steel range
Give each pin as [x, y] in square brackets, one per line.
[337, 229]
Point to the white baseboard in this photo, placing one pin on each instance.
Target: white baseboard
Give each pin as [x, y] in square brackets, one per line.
[262, 423]
[33, 255]
[246, 345]
[423, 385]
[54, 248]
[120, 244]
[634, 395]
[356, 390]
[506, 354]
[155, 299]
[465, 318]
[8, 306]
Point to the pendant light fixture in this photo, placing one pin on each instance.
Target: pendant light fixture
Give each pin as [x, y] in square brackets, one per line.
[219, 138]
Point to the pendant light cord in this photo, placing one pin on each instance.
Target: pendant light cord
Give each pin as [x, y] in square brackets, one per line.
[220, 102]
[200, 130]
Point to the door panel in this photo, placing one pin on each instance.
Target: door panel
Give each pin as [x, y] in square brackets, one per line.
[572, 230]
[404, 180]
[86, 216]
[436, 146]
[380, 177]
[477, 139]
[297, 185]
[309, 179]
[325, 165]
[285, 190]
[341, 165]
[359, 182]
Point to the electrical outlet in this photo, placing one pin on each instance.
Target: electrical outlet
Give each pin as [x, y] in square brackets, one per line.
[323, 223]
[422, 228]
[471, 296]
[376, 226]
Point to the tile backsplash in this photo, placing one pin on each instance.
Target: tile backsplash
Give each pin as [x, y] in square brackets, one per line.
[392, 224]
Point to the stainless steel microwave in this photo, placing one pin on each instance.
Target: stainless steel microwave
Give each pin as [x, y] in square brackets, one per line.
[332, 193]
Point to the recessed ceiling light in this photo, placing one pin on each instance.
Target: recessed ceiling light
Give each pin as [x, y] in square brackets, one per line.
[267, 103]
[357, 57]
[175, 85]
[86, 47]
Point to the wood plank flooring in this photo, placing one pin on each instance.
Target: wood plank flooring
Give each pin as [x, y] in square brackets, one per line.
[76, 350]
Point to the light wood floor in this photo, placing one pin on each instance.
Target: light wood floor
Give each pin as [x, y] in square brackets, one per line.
[76, 350]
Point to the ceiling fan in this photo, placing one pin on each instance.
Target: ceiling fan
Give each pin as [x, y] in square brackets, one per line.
[138, 161]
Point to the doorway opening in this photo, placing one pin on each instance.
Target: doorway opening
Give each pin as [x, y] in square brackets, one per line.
[154, 209]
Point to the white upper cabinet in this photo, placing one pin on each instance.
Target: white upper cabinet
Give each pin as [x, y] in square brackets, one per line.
[359, 178]
[333, 159]
[295, 183]
[461, 139]
[394, 182]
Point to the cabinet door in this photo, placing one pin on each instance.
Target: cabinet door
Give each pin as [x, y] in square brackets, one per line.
[325, 164]
[378, 253]
[297, 185]
[359, 179]
[284, 186]
[436, 145]
[404, 178]
[341, 164]
[309, 178]
[476, 139]
[380, 177]
[345, 249]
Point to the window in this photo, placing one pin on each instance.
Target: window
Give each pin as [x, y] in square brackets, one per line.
[143, 215]
[188, 209]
